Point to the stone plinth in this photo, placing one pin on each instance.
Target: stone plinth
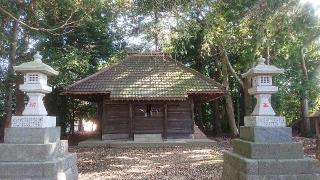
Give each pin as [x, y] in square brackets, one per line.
[32, 135]
[266, 134]
[237, 167]
[36, 153]
[268, 153]
[265, 150]
[32, 148]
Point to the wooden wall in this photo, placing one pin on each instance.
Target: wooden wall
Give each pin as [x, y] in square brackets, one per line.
[173, 119]
[180, 121]
[149, 124]
[115, 120]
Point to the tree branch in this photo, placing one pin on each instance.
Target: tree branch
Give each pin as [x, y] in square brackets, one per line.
[66, 23]
[303, 64]
[233, 72]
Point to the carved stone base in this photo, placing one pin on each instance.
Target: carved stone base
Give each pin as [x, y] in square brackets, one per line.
[236, 167]
[36, 153]
[267, 153]
[33, 121]
[265, 121]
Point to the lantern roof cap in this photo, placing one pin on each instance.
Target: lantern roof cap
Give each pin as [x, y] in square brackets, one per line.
[36, 66]
[262, 69]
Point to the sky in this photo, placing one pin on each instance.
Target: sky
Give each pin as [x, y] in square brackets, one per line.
[315, 4]
[139, 39]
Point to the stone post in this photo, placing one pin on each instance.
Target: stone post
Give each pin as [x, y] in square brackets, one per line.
[265, 150]
[32, 148]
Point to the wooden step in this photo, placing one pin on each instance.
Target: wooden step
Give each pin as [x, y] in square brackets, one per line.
[148, 137]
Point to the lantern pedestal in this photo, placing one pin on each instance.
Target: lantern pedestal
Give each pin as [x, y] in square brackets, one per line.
[268, 153]
[36, 153]
[265, 150]
[32, 148]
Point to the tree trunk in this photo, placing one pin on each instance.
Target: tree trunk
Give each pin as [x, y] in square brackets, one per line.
[10, 76]
[80, 125]
[318, 147]
[304, 96]
[156, 38]
[228, 98]
[216, 104]
[19, 95]
[267, 49]
[238, 110]
[247, 98]
[199, 115]
[19, 77]
[216, 121]
[198, 106]
[73, 116]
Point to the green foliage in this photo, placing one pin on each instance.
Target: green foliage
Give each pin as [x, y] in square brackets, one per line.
[81, 44]
[96, 33]
[246, 28]
[79, 53]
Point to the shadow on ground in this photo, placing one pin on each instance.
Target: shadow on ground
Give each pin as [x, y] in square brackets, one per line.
[150, 163]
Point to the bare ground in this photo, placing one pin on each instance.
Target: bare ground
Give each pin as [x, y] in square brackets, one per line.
[159, 163]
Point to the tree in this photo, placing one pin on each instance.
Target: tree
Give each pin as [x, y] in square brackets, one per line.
[73, 36]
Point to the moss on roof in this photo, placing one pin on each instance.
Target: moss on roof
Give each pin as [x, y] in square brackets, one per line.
[147, 77]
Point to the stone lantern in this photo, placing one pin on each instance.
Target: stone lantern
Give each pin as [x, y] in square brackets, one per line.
[265, 150]
[35, 85]
[32, 148]
[262, 89]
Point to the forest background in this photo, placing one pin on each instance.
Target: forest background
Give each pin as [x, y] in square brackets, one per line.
[219, 38]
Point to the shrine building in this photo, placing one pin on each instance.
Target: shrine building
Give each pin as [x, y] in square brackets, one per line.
[146, 93]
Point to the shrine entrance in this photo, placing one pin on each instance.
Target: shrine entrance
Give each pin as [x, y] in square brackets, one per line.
[148, 118]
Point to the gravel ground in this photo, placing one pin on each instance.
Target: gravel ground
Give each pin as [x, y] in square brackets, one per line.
[159, 163]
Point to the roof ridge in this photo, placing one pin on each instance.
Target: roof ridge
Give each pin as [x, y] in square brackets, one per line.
[153, 53]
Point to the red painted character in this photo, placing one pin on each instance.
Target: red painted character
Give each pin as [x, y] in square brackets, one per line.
[265, 105]
[32, 104]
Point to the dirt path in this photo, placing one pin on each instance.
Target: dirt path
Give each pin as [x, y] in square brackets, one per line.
[158, 163]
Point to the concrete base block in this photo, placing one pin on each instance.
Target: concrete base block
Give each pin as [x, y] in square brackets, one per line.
[179, 136]
[32, 152]
[148, 138]
[133, 144]
[36, 153]
[59, 168]
[266, 134]
[267, 151]
[114, 136]
[31, 135]
[237, 167]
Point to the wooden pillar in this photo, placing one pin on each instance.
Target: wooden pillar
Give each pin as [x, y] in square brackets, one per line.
[192, 115]
[316, 125]
[165, 121]
[104, 116]
[99, 116]
[130, 121]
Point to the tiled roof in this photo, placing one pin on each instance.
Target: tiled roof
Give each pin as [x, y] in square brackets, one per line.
[147, 77]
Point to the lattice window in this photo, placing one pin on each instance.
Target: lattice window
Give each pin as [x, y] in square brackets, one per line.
[33, 78]
[265, 80]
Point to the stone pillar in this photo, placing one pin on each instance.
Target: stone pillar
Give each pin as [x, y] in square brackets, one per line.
[265, 150]
[32, 148]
